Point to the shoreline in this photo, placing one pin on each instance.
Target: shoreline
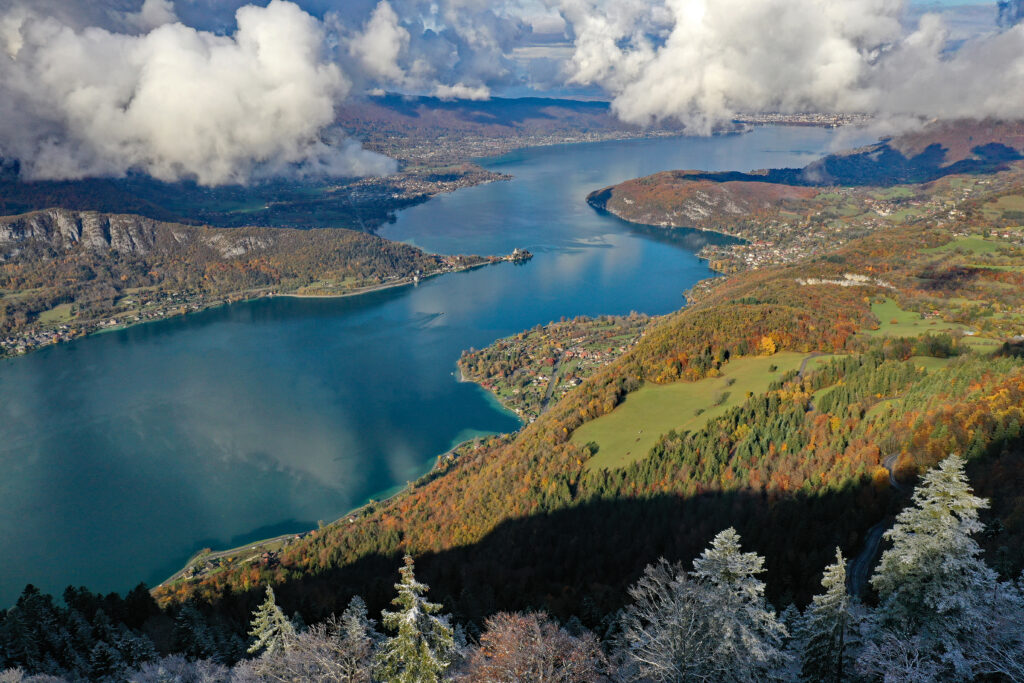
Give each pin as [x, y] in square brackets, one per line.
[229, 299]
[258, 547]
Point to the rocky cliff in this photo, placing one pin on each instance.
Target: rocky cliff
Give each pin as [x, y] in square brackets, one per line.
[130, 235]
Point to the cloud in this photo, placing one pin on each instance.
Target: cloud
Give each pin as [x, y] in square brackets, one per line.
[380, 44]
[221, 91]
[702, 61]
[461, 91]
[174, 102]
[152, 14]
[426, 46]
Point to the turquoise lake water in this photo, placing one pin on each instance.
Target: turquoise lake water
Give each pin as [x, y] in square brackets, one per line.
[123, 453]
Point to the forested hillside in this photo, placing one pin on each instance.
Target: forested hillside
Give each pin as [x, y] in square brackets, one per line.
[65, 273]
[942, 614]
[788, 464]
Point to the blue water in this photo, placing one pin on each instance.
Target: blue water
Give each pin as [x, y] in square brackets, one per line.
[124, 453]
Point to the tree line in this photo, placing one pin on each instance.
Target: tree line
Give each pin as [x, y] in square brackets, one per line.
[942, 614]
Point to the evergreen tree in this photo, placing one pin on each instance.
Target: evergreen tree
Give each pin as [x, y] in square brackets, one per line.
[934, 567]
[104, 661]
[932, 583]
[356, 625]
[712, 624]
[823, 629]
[751, 635]
[422, 648]
[271, 629]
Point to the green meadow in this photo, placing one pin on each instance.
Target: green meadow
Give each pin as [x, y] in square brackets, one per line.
[975, 245]
[630, 431]
[894, 321]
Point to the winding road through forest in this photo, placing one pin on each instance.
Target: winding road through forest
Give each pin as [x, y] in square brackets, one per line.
[859, 568]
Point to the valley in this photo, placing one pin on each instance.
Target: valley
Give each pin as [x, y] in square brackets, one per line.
[784, 399]
[774, 402]
[392, 341]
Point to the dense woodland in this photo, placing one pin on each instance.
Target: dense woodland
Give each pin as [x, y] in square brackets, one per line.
[773, 468]
[942, 614]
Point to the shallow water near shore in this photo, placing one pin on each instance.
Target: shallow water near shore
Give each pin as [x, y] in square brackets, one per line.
[122, 454]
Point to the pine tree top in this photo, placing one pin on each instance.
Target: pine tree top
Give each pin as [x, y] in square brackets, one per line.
[410, 597]
[934, 564]
[725, 565]
[270, 627]
[944, 491]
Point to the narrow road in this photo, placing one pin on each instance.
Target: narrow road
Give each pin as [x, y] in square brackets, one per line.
[800, 373]
[890, 464]
[551, 385]
[858, 571]
[803, 365]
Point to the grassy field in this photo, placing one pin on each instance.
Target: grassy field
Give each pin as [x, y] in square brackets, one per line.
[881, 408]
[898, 192]
[970, 245]
[1009, 207]
[630, 431]
[818, 361]
[1007, 268]
[56, 315]
[929, 363]
[896, 322]
[981, 343]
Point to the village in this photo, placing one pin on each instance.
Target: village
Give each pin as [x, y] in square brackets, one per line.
[130, 310]
[843, 214]
[533, 369]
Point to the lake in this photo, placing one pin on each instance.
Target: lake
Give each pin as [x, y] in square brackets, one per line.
[124, 453]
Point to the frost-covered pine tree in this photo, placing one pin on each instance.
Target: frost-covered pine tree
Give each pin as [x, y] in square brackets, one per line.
[271, 629]
[712, 624]
[421, 649]
[356, 637]
[934, 566]
[355, 623]
[751, 636]
[932, 584]
[822, 631]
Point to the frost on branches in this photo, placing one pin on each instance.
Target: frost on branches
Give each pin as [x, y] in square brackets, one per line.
[711, 624]
[942, 611]
[823, 631]
[421, 650]
[271, 629]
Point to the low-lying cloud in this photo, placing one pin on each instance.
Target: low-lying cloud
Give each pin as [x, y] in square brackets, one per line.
[172, 101]
[703, 61]
[222, 91]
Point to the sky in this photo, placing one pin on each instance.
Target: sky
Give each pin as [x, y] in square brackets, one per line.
[228, 91]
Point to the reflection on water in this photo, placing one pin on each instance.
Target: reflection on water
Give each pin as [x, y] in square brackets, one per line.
[125, 452]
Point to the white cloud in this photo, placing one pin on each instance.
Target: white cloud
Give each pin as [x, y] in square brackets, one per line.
[461, 91]
[702, 61]
[152, 14]
[175, 102]
[380, 44]
[419, 46]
